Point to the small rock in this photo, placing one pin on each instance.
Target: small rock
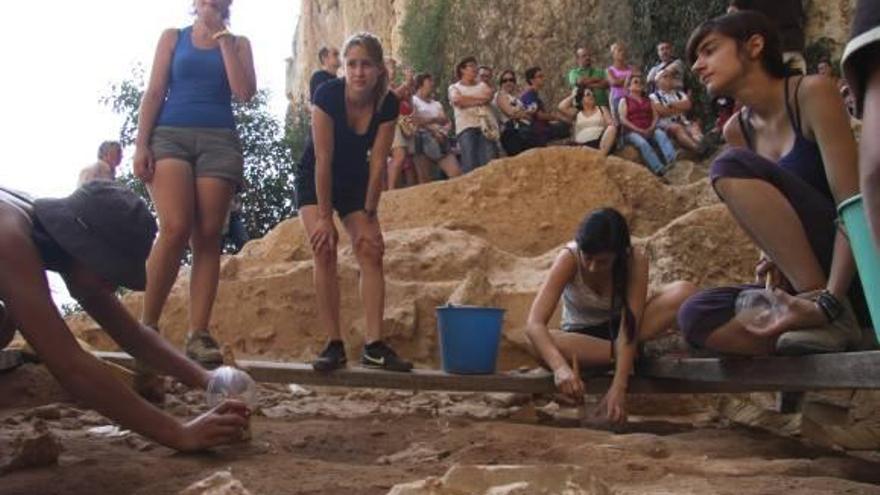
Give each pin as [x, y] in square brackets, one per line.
[49, 412]
[299, 391]
[219, 483]
[38, 449]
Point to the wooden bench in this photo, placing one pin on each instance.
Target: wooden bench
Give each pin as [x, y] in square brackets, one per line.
[688, 375]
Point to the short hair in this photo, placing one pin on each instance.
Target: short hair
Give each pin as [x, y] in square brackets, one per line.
[106, 146]
[740, 26]
[421, 78]
[460, 65]
[531, 72]
[486, 67]
[324, 52]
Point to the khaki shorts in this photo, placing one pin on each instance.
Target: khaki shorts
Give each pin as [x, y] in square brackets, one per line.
[212, 152]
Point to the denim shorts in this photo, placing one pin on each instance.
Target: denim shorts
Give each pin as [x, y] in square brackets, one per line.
[212, 152]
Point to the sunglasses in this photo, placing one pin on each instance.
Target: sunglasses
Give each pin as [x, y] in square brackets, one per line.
[508, 79]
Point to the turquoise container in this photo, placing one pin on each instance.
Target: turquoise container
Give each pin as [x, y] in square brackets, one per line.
[469, 338]
[867, 258]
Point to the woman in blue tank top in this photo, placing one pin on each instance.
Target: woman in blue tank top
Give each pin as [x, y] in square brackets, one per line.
[792, 159]
[189, 155]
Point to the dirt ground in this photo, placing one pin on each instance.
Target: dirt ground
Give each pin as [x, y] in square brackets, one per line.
[335, 441]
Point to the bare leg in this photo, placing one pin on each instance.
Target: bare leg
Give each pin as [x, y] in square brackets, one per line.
[733, 338]
[682, 137]
[325, 276]
[213, 196]
[423, 168]
[398, 155]
[608, 139]
[449, 165]
[589, 351]
[409, 172]
[369, 247]
[173, 191]
[662, 309]
[780, 235]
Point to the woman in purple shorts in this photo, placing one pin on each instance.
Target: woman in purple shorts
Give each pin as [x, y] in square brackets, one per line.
[792, 159]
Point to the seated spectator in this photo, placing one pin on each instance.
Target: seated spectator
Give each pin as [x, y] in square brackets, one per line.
[403, 146]
[672, 105]
[618, 72]
[639, 122]
[516, 125]
[593, 125]
[470, 100]
[546, 126]
[109, 157]
[824, 68]
[486, 74]
[329, 59]
[432, 134]
[593, 78]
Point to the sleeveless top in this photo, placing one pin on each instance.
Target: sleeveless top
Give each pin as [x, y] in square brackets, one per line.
[589, 127]
[804, 159]
[639, 111]
[198, 89]
[619, 91]
[581, 306]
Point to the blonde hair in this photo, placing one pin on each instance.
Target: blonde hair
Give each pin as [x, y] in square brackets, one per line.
[371, 44]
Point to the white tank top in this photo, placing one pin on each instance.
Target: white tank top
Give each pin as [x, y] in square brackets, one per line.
[589, 127]
[581, 306]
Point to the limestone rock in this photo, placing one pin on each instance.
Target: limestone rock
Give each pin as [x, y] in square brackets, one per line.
[219, 483]
[508, 480]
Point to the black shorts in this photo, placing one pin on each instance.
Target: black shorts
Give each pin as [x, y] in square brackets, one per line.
[345, 201]
[599, 331]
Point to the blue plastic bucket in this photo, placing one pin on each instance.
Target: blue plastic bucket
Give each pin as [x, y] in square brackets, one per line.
[469, 338]
[867, 259]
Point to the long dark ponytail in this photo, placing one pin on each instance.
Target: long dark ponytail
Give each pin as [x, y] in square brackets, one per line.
[605, 231]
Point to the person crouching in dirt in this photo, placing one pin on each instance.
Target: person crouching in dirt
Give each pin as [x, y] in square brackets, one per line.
[603, 283]
[97, 238]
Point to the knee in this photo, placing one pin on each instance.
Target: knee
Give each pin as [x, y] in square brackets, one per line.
[680, 291]
[325, 257]
[368, 249]
[175, 231]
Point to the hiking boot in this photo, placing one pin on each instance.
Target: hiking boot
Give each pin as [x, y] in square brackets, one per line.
[203, 349]
[838, 336]
[379, 355]
[331, 358]
[10, 359]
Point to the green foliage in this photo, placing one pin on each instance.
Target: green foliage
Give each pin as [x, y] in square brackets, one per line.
[269, 153]
[423, 35]
[673, 21]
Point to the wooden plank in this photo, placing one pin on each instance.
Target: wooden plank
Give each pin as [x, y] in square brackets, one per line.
[814, 372]
[665, 375]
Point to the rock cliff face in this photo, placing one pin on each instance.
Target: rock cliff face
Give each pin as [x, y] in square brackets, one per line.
[515, 33]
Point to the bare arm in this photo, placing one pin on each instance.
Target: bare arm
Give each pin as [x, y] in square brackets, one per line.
[563, 269]
[733, 132]
[25, 290]
[378, 156]
[869, 152]
[624, 121]
[636, 296]
[157, 87]
[461, 101]
[144, 344]
[826, 119]
[239, 63]
[322, 136]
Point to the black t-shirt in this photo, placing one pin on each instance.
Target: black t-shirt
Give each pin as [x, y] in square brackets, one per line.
[318, 78]
[349, 165]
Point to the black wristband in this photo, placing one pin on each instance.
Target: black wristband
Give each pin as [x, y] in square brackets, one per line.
[829, 305]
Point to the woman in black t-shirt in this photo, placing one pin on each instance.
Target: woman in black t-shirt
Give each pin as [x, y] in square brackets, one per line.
[353, 121]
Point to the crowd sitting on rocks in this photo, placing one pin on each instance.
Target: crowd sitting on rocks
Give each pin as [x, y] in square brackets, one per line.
[791, 159]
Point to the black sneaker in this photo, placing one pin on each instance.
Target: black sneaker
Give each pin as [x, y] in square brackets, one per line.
[379, 355]
[331, 358]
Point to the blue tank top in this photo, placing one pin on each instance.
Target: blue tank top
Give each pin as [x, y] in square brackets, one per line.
[805, 158]
[198, 89]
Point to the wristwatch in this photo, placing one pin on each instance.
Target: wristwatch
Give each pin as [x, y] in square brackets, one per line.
[830, 305]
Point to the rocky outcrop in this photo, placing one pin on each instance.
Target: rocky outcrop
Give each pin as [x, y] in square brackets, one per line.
[485, 238]
[516, 33]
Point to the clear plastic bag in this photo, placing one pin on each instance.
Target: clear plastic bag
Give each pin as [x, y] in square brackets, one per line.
[231, 383]
[758, 309]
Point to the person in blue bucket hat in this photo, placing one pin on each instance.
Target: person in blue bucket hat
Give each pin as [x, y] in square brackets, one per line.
[97, 239]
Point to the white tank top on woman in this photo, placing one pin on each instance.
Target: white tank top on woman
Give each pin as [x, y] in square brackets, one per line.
[589, 127]
[581, 306]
